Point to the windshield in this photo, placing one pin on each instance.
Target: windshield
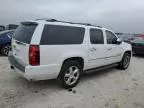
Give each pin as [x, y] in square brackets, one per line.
[6, 31]
[25, 32]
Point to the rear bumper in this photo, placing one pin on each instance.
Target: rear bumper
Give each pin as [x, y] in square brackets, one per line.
[15, 63]
[34, 73]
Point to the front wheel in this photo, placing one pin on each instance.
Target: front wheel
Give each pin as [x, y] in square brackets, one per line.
[70, 74]
[124, 64]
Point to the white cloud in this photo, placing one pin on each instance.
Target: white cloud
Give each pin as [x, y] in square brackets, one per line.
[120, 15]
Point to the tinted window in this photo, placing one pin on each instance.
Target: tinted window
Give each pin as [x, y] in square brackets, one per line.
[24, 32]
[110, 37]
[59, 35]
[96, 36]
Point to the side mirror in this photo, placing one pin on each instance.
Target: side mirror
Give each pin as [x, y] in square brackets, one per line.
[117, 41]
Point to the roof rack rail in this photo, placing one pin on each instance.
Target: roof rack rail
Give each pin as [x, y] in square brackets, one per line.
[87, 24]
[75, 23]
[54, 20]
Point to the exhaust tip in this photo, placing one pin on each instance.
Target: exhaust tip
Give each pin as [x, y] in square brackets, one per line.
[12, 67]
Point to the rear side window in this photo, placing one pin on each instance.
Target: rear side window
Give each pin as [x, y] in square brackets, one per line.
[25, 32]
[96, 36]
[60, 35]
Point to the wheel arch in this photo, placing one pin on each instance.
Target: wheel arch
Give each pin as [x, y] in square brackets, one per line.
[76, 58]
[129, 52]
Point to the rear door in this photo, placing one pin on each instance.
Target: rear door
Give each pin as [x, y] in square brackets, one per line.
[59, 42]
[97, 52]
[21, 41]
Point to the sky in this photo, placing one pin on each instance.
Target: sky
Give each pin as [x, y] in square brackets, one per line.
[118, 15]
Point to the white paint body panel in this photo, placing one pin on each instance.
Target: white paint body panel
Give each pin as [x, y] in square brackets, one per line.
[53, 56]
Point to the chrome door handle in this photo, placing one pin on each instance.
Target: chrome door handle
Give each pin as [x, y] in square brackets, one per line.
[93, 49]
[109, 49]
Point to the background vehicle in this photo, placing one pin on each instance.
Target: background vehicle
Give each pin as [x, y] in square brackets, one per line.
[138, 45]
[49, 49]
[5, 41]
[126, 37]
[2, 27]
[11, 27]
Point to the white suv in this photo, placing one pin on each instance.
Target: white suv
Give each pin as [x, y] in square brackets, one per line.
[49, 49]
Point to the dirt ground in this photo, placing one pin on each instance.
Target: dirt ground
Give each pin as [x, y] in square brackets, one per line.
[110, 88]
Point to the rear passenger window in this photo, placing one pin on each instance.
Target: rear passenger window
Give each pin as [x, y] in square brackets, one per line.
[96, 36]
[60, 35]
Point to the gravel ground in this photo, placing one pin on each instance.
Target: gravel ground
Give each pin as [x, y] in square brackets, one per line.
[110, 88]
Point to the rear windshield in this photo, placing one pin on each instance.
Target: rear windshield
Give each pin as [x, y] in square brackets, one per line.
[24, 32]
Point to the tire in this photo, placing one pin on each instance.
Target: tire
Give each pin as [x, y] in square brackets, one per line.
[5, 49]
[124, 64]
[70, 74]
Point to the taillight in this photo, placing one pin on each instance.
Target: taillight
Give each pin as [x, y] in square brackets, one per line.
[34, 55]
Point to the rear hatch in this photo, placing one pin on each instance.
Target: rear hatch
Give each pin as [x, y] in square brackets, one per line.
[21, 41]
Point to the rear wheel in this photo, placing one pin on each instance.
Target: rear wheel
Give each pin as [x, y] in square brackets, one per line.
[70, 74]
[5, 49]
[124, 64]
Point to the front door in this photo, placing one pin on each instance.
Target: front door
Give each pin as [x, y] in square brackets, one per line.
[113, 51]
